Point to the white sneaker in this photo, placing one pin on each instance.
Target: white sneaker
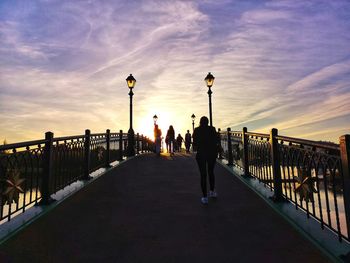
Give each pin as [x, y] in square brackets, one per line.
[213, 194]
[204, 200]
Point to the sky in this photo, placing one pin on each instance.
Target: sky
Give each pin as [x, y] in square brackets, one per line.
[277, 64]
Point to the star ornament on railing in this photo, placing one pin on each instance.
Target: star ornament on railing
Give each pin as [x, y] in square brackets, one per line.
[13, 187]
[305, 186]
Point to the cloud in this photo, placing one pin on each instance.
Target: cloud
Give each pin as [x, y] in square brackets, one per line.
[285, 64]
[322, 77]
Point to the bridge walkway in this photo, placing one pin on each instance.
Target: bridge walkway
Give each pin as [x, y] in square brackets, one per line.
[148, 210]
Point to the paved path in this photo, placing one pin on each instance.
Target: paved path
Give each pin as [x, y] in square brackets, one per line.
[148, 210]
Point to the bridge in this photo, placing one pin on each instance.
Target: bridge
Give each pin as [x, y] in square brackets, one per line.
[80, 199]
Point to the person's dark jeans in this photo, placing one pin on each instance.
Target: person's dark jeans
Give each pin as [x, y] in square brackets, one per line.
[206, 166]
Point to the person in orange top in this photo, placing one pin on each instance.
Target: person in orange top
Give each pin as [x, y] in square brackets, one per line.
[157, 138]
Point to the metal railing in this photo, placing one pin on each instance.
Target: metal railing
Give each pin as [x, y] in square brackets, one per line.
[30, 172]
[314, 176]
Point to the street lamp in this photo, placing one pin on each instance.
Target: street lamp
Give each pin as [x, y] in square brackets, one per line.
[131, 81]
[155, 118]
[209, 80]
[193, 118]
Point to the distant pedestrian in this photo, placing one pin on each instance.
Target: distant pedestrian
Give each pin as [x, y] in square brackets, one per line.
[205, 140]
[188, 141]
[175, 146]
[157, 138]
[167, 144]
[179, 140]
[171, 138]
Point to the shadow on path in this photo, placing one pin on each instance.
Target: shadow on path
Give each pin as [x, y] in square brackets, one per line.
[148, 210]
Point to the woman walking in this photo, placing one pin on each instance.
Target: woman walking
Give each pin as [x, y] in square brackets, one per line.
[171, 138]
[205, 140]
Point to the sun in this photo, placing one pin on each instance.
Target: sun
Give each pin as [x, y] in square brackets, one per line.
[145, 124]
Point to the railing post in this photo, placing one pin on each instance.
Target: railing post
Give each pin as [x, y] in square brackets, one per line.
[86, 175]
[121, 145]
[47, 170]
[344, 142]
[142, 143]
[147, 144]
[108, 148]
[229, 147]
[276, 170]
[245, 152]
[220, 150]
[126, 146]
[137, 143]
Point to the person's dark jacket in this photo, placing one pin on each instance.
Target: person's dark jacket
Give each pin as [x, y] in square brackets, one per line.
[179, 139]
[170, 135]
[206, 141]
[188, 138]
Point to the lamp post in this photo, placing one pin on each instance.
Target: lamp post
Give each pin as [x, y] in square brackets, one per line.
[157, 139]
[209, 80]
[131, 81]
[155, 118]
[193, 118]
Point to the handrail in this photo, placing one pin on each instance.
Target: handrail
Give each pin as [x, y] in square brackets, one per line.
[231, 132]
[66, 138]
[258, 134]
[308, 142]
[290, 139]
[236, 133]
[55, 139]
[98, 134]
[21, 144]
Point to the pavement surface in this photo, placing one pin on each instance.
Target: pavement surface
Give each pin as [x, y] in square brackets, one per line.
[148, 210]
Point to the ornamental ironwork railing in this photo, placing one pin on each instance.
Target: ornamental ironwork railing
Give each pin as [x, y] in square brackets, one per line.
[30, 172]
[314, 176]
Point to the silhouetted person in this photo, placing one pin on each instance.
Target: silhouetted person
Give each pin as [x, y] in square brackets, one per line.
[188, 141]
[179, 140]
[175, 146]
[205, 140]
[171, 138]
[157, 138]
[167, 144]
